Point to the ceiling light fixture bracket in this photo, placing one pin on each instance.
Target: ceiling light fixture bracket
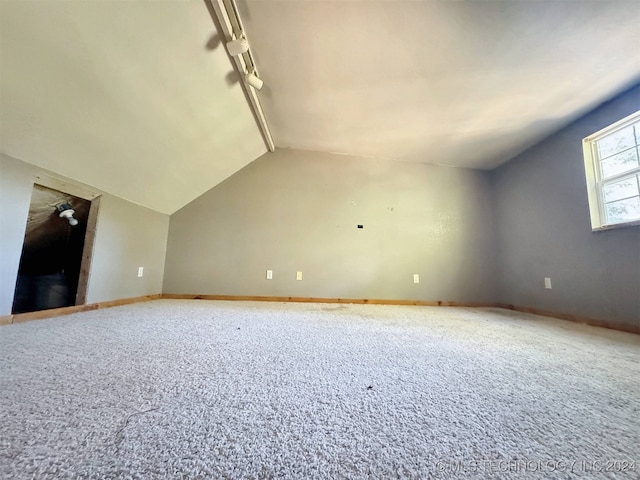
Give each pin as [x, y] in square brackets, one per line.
[240, 51]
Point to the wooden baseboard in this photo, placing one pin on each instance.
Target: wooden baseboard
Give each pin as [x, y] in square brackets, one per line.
[56, 312]
[575, 318]
[370, 301]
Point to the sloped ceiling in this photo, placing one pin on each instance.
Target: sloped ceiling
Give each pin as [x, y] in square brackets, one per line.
[139, 98]
[465, 83]
[134, 98]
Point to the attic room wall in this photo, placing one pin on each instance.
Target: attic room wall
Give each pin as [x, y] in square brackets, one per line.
[544, 230]
[15, 196]
[128, 236]
[296, 210]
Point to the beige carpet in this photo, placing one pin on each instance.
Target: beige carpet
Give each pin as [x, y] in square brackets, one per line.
[199, 389]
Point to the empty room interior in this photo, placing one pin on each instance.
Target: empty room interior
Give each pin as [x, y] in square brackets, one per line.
[319, 239]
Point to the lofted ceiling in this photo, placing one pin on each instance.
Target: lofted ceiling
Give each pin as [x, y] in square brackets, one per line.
[464, 83]
[139, 98]
[135, 98]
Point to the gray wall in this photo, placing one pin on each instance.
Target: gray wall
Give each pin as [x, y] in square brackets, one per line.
[542, 217]
[127, 236]
[295, 210]
[15, 196]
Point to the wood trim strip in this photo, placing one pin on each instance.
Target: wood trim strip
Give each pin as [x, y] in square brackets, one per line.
[371, 301]
[56, 312]
[574, 318]
[562, 316]
[87, 252]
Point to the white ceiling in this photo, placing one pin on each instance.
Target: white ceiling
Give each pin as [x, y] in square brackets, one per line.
[123, 96]
[465, 83]
[134, 99]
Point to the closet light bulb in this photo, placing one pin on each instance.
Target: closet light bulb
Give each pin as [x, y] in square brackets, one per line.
[68, 214]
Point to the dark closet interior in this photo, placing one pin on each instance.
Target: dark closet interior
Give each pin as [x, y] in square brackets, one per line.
[52, 251]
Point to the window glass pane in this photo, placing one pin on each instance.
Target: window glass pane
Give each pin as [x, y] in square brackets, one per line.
[623, 210]
[620, 163]
[621, 189]
[621, 140]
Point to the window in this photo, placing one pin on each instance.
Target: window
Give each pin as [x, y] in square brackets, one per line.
[612, 166]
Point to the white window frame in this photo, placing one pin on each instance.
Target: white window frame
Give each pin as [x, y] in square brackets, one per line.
[594, 175]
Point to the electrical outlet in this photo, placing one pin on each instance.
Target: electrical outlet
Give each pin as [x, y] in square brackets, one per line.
[547, 283]
[416, 278]
[269, 274]
[298, 275]
[140, 271]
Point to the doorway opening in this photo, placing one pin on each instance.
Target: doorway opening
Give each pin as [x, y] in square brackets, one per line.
[51, 271]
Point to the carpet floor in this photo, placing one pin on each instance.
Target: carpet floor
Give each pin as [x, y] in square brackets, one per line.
[203, 389]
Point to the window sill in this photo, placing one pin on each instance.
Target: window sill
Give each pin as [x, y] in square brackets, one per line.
[634, 223]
